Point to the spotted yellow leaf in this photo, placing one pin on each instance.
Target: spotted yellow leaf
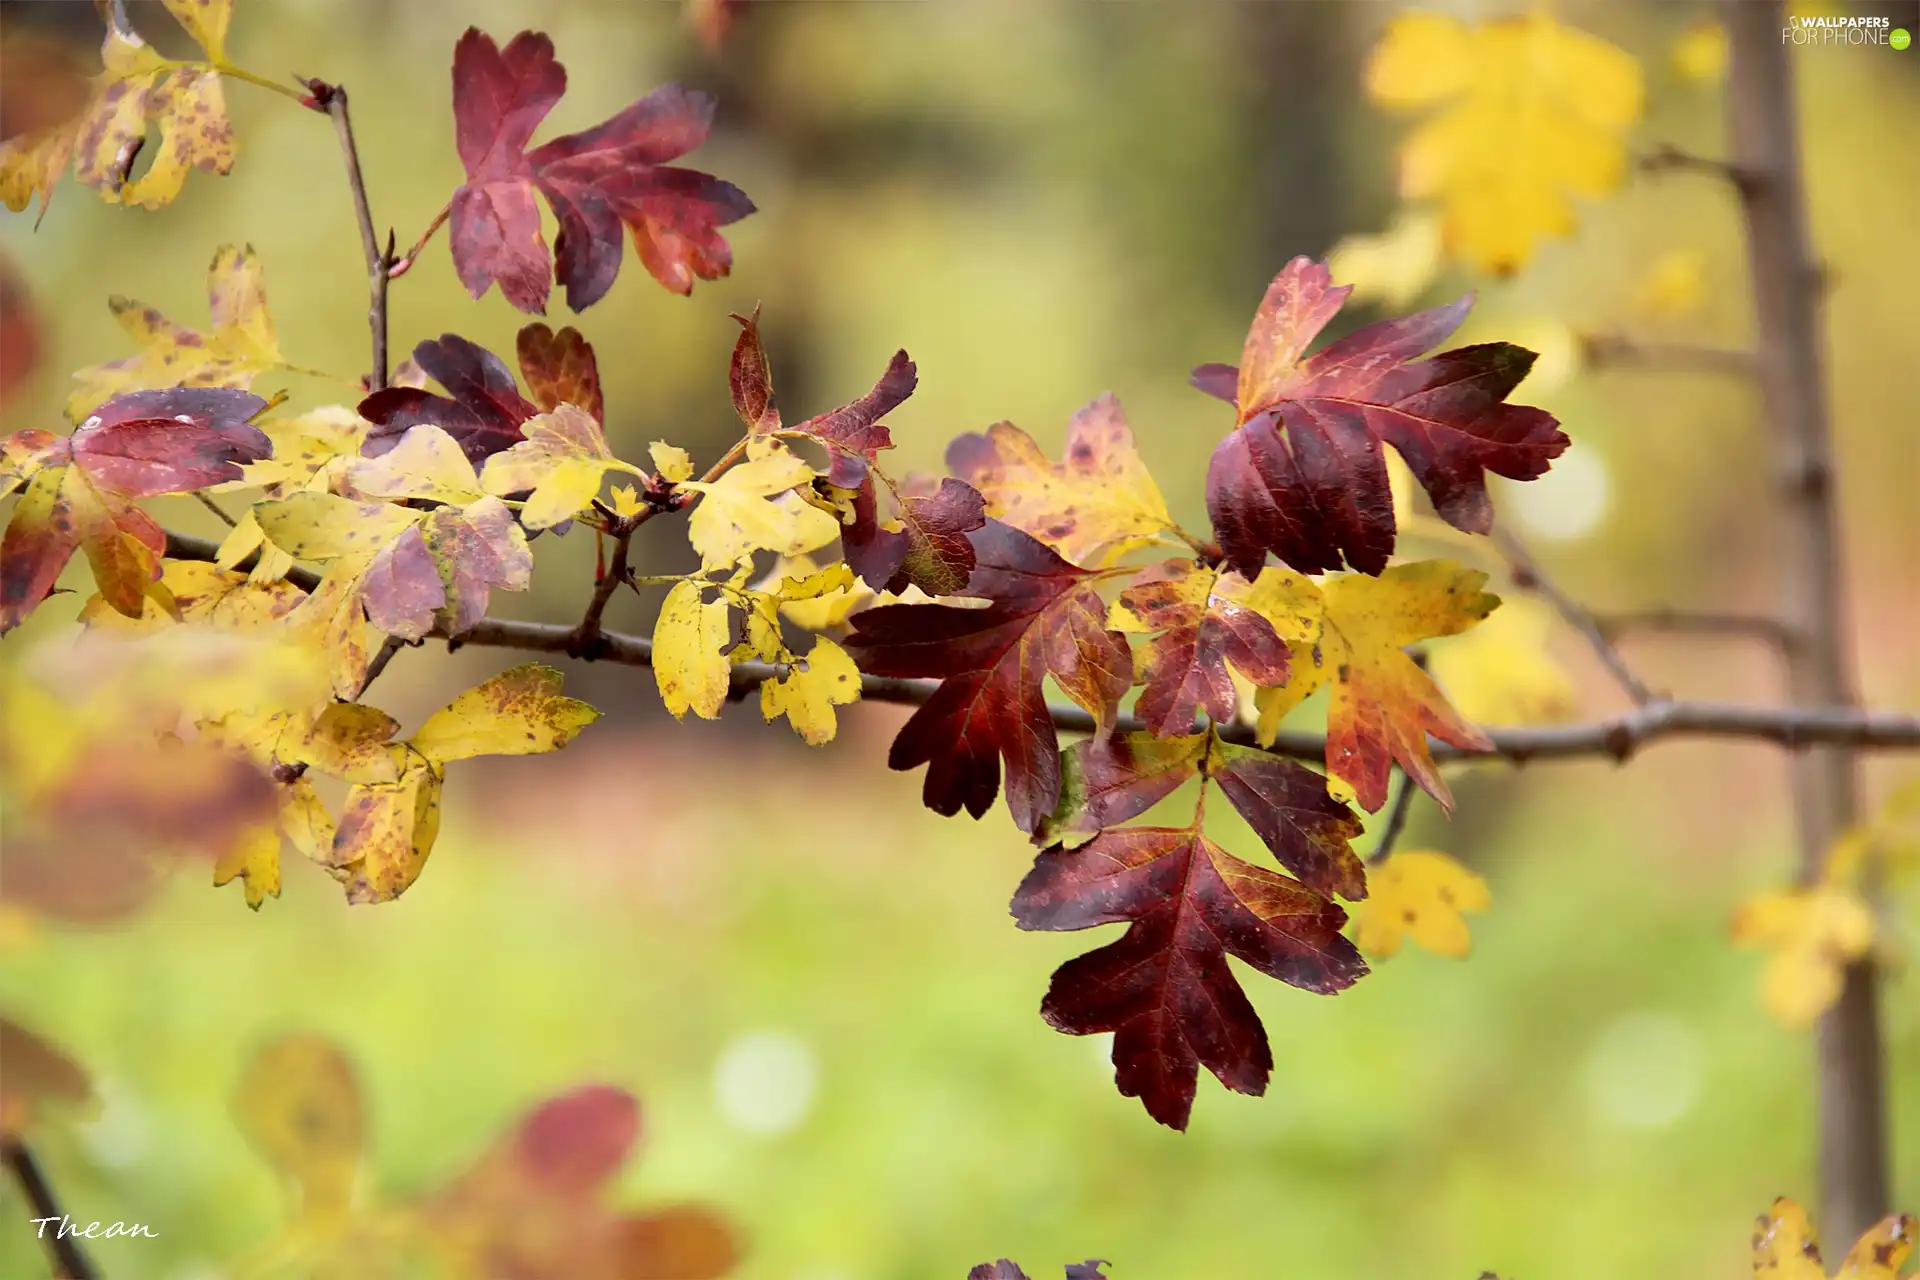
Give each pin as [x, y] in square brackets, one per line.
[689, 662]
[1785, 1248]
[807, 692]
[516, 713]
[562, 461]
[752, 507]
[1421, 895]
[241, 346]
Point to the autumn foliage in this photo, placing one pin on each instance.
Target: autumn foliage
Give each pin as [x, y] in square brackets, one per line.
[823, 574]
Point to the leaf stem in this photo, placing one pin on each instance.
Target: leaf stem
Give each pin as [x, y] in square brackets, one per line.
[216, 508]
[332, 99]
[1528, 577]
[403, 264]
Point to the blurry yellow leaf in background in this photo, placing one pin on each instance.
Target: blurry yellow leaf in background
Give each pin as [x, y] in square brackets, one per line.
[1700, 54]
[1675, 286]
[1500, 672]
[1812, 934]
[1420, 895]
[299, 1105]
[241, 346]
[1394, 267]
[1529, 112]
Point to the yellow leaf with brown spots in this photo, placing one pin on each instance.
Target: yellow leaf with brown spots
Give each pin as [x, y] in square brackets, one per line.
[427, 463]
[190, 107]
[206, 21]
[517, 713]
[241, 346]
[299, 1105]
[752, 507]
[1785, 1247]
[324, 526]
[1420, 895]
[347, 741]
[689, 662]
[808, 691]
[1093, 506]
[562, 461]
[386, 830]
[310, 451]
[203, 593]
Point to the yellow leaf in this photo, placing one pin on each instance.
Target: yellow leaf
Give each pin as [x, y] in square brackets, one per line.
[310, 451]
[324, 526]
[562, 461]
[1396, 266]
[246, 538]
[332, 622]
[520, 712]
[1530, 112]
[1675, 285]
[813, 598]
[206, 21]
[386, 830]
[688, 662]
[1383, 706]
[1785, 1248]
[241, 346]
[1095, 505]
[299, 1105]
[427, 463]
[1700, 54]
[626, 501]
[203, 593]
[1500, 671]
[1813, 934]
[807, 694]
[1420, 895]
[190, 107]
[304, 820]
[671, 461]
[255, 860]
[348, 741]
[101, 137]
[751, 508]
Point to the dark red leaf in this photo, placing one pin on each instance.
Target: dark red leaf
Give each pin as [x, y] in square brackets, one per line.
[597, 181]
[173, 441]
[1001, 1270]
[1088, 1270]
[20, 344]
[1303, 475]
[1164, 988]
[930, 549]
[853, 434]
[402, 587]
[1287, 805]
[1199, 634]
[484, 414]
[559, 368]
[751, 379]
[1105, 782]
[1043, 617]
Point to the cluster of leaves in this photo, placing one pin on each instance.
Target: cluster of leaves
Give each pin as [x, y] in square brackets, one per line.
[532, 1205]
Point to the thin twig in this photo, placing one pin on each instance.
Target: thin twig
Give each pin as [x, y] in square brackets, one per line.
[332, 99]
[1617, 738]
[392, 646]
[1527, 576]
[1688, 622]
[588, 634]
[217, 509]
[1618, 351]
[1396, 821]
[397, 267]
[69, 1262]
[1668, 158]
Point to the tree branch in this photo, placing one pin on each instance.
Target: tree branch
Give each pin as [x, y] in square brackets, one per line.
[1687, 622]
[1616, 350]
[1527, 576]
[1788, 291]
[1668, 158]
[332, 99]
[1618, 737]
[69, 1262]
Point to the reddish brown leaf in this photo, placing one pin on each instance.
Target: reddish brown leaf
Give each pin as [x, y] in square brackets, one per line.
[402, 588]
[573, 1144]
[1043, 617]
[751, 379]
[36, 1073]
[1199, 632]
[1303, 476]
[484, 414]
[559, 368]
[1287, 805]
[1088, 1270]
[80, 489]
[478, 549]
[1001, 1270]
[853, 434]
[19, 328]
[596, 181]
[685, 1242]
[1105, 782]
[931, 548]
[1164, 988]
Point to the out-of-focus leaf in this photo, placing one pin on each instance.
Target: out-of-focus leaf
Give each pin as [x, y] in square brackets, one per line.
[1421, 895]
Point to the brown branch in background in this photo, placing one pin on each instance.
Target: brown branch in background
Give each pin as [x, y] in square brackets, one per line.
[1527, 576]
[69, 1263]
[1618, 737]
[332, 99]
[1789, 287]
[1668, 158]
[1688, 622]
[1618, 351]
[1396, 821]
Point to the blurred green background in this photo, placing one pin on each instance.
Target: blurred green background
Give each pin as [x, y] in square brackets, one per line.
[813, 983]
